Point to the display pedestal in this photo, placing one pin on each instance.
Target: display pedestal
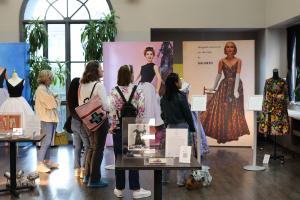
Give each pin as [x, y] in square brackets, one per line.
[255, 104]
[254, 167]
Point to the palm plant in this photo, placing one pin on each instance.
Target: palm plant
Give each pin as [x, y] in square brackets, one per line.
[36, 34]
[97, 32]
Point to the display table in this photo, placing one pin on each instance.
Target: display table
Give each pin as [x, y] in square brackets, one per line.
[12, 153]
[138, 164]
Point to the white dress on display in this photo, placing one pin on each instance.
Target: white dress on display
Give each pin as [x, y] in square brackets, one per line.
[16, 103]
[3, 91]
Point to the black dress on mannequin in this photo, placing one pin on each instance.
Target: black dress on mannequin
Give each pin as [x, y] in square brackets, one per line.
[275, 156]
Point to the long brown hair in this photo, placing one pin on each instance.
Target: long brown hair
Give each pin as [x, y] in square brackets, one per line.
[91, 72]
[125, 75]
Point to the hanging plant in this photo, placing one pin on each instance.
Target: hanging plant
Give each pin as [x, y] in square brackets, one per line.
[37, 36]
[97, 32]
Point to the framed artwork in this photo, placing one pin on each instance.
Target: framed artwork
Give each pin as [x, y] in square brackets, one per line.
[9, 121]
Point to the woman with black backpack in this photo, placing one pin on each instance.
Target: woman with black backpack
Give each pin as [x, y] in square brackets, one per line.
[127, 100]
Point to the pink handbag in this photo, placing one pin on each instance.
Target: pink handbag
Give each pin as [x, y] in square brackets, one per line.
[91, 112]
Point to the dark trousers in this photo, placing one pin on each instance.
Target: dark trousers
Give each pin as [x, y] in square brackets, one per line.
[94, 154]
[134, 182]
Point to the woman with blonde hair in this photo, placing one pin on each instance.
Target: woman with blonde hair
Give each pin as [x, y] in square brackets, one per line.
[46, 104]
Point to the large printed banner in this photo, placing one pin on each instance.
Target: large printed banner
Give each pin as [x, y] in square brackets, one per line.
[226, 121]
[116, 54]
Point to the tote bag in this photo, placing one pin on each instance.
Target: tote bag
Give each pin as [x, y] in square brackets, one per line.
[91, 112]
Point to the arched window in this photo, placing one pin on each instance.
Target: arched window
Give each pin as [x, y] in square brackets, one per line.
[64, 20]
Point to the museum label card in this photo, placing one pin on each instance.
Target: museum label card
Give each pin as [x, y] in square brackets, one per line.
[266, 159]
[199, 103]
[185, 154]
[255, 102]
[175, 137]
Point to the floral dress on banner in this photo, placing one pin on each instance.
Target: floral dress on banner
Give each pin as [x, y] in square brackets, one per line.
[274, 117]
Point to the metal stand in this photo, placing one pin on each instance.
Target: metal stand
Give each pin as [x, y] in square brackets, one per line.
[254, 167]
[204, 167]
[275, 156]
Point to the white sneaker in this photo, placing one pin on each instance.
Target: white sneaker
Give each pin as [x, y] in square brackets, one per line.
[42, 168]
[77, 172]
[142, 193]
[82, 173]
[118, 193]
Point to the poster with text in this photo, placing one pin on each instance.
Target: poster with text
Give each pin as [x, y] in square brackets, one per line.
[226, 70]
[116, 54]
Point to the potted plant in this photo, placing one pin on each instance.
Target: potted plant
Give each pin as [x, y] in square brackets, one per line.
[37, 36]
[97, 32]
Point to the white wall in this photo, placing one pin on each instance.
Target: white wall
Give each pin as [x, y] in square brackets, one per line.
[276, 52]
[137, 17]
[279, 11]
[9, 20]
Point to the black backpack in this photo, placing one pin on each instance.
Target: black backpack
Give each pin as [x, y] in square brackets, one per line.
[127, 110]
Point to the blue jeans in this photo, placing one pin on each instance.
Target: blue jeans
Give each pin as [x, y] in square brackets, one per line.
[80, 140]
[48, 128]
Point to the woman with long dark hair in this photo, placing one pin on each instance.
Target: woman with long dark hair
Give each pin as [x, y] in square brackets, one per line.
[91, 79]
[176, 114]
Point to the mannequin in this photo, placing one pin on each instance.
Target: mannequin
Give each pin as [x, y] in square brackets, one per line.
[3, 70]
[275, 74]
[3, 91]
[16, 102]
[15, 79]
[274, 117]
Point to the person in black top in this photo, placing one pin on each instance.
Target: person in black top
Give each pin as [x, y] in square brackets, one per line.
[80, 137]
[176, 114]
[3, 92]
[174, 105]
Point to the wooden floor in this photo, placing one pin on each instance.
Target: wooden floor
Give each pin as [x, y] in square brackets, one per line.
[230, 181]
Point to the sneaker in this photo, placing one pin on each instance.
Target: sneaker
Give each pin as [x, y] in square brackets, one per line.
[82, 173]
[52, 165]
[98, 184]
[42, 168]
[86, 179]
[118, 193]
[77, 172]
[180, 184]
[141, 193]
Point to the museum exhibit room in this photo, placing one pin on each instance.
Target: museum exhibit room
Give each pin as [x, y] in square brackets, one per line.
[150, 99]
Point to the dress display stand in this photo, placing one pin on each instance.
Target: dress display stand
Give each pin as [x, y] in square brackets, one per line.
[275, 110]
[275, 156]
[255, 104]
[16, 103]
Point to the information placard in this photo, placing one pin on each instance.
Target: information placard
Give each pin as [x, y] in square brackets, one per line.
[255, 102]
[199, 103]
[175, 137]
